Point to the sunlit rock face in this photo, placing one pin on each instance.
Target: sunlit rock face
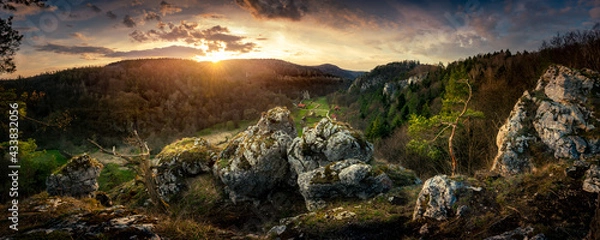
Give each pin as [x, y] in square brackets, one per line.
[350, 178]
[561, 114]
[186, 158]
[78, 178]
[255, 161]
[326, 143]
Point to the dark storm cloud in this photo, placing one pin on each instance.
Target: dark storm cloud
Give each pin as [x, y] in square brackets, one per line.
[74, 50]
[111, 15]
[215, 38]
[94, 8]
[273, 9]
[167, 8]
[128, 21]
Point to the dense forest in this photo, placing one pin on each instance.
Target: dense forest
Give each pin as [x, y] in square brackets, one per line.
[498, 80]
[163, 99]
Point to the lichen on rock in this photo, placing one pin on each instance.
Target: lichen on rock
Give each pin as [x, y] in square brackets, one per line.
[77, 178]
[437, 197]
[182, 159]
[350, 178]
[255, 161]
[327, 142]
[558, 115]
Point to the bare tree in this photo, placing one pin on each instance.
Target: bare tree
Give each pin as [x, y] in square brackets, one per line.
[143, 167]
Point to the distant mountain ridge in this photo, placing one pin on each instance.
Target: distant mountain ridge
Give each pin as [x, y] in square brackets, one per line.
[337, 71]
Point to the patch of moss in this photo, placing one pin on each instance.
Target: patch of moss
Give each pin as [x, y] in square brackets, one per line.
[327, 177]
[78, 162]
[189, 150]
[400, 177]
[243, 163]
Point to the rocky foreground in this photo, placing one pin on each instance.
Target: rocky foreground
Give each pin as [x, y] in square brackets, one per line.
[543, 184]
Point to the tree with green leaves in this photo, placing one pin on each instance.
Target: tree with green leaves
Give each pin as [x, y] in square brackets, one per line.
[455, 111]
[10, 39]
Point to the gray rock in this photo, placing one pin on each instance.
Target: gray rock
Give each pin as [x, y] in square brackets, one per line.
[180, 160]
[326, 143]
[277, 119]
[437, 197]
[277, 230]
[350, 178]
[556, 115]
[591, 182]
[77, 178]
[519, 233]
[514, 138]
[255, 161]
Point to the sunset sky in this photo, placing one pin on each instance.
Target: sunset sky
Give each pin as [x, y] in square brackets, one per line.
[353, 34]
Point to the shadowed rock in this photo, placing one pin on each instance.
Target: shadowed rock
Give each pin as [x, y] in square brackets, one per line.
[255, 161]
[77, 178]
[183, 159]
[350, 178]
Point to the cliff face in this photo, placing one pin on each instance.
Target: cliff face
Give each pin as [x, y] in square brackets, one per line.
[559, 117]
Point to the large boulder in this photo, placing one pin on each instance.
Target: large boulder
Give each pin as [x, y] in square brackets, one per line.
[327, 142]
[255, 161]
[77, 178]
[514, 138]
[558, 114]
[180, 160]
[350, 178]
[437, 198]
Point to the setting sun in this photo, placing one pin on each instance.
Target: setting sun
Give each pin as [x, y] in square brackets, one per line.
[214, 57]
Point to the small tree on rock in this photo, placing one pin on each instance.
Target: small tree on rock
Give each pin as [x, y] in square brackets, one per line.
[455, 111]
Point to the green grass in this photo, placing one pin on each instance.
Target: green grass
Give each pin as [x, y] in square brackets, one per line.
[221, 127]
[114, 175]
[319, 106]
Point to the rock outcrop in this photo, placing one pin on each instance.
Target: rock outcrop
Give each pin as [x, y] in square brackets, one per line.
[559, 114]
[326, 143]
[591, 182]
[350, 178]
[180, 160]
[330, 161]
[77, 178]
[255, 161]
[68, 218]
[437, 198]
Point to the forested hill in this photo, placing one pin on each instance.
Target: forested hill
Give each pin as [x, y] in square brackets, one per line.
[161, 98]
[382, 101]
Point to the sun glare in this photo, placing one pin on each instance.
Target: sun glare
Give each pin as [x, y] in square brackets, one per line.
[214, 57]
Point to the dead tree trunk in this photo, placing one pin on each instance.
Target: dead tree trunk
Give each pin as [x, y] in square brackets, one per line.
[143, 168]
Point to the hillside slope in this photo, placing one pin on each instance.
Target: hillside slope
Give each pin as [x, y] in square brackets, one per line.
[161, 98]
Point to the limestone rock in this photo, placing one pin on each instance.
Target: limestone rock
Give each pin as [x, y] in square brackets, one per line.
[514, 138]
[277, 119]
[558, 114]
[437, 197]
[350, 178]
[326, 143]
[519, 233]
[255, 161]
[591, 183]
[77, 178]
[183, 159]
